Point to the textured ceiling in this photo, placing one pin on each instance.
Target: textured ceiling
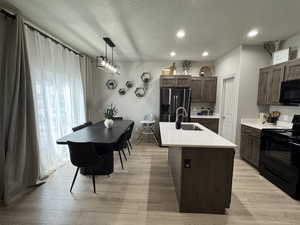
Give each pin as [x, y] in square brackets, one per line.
[145, 29]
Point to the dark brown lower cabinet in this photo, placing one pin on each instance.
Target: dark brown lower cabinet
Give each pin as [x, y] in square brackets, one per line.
[212, 124]
[202, 178]
[250, 145]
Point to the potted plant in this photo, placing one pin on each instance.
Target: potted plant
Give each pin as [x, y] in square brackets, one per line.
[186, 65]
[110, 112]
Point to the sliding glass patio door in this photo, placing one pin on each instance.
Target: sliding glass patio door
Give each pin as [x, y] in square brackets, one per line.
[58, 96]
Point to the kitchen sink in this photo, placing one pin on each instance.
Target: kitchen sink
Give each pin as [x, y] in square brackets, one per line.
[190, 127]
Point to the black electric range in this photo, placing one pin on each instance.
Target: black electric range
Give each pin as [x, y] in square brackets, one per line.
[280, 158]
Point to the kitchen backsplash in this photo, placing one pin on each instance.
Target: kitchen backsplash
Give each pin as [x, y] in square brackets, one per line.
[287, 112]
[196, 107]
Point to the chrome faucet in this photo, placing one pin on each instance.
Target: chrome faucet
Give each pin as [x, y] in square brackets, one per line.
[181, 114]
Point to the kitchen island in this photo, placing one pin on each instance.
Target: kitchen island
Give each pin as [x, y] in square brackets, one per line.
[201, 164]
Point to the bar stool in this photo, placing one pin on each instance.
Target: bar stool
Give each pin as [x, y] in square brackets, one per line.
[147, 125]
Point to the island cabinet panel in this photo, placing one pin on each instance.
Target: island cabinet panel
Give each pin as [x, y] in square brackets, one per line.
[205, 184]
[293, 70]
[212, 124]
[175, 159]
[250, 145]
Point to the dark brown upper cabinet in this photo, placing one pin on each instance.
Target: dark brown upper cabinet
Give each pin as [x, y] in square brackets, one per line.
[277, 76]
[269, 84]
[175, 81]
[263, 97]
[204, 89]
[292, 71]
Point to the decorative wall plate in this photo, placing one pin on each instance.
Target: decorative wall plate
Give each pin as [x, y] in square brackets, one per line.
[111, 84]
[129, 84]
[122, 91]
[146, 77]
[205, 71]
[140, 92]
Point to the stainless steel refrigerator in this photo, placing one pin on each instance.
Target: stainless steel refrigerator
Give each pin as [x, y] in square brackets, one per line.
[171, 99]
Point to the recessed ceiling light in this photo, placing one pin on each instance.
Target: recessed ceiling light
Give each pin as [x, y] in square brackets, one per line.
[252, 33]
[205, 53]
[180, 34]
[172, 53]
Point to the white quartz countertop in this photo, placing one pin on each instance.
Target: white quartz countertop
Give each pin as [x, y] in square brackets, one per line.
[205, 116]
[206, 138]
[258, 125]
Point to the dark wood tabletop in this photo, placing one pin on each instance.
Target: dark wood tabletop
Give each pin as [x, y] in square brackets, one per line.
[98, 133]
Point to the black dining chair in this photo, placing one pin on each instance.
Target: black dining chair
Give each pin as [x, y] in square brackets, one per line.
[84, 155]
[86, 124]
[129, 135]
[119, 147]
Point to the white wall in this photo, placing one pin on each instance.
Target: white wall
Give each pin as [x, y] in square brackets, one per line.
[243, 62]
[252, 59]
[228, 65]
[130, 106]
[293, 42]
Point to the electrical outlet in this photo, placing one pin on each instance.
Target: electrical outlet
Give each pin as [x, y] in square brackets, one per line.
[187, 163]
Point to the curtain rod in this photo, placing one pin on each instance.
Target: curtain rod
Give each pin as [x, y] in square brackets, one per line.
[52, 39]
[9, 14]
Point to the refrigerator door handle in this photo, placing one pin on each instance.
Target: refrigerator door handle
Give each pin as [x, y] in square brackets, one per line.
[184, 93]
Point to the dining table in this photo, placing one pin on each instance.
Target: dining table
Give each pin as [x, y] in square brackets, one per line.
[103, 138]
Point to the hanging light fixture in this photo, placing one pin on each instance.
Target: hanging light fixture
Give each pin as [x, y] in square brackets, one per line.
[103, 62]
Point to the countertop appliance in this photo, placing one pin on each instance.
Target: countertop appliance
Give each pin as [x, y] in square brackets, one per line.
[290, 92]
[171, 99]
[280, 158]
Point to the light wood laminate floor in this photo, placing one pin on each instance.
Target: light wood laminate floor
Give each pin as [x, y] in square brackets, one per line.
[144, 193]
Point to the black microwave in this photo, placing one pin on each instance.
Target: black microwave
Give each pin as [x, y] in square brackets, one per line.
[290, 92]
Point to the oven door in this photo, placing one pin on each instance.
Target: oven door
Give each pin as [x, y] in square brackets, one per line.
[279, 162]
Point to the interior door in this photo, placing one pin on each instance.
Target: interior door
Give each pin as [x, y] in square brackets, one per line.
[228, 109]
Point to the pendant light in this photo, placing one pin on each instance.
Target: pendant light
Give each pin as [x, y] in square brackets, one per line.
[103, 62]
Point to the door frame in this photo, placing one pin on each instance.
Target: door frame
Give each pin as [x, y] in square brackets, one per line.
[222, 105]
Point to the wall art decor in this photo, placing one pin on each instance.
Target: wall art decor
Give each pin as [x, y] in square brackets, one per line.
[122, 91]
[205, 71]
[111, 84]
[140, 92]
[129, 84]
[146, 77]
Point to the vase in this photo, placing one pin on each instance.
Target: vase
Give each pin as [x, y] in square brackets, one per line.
[109, 123]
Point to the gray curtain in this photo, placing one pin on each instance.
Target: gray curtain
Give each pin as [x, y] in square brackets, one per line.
[87, 66]
[18, 144]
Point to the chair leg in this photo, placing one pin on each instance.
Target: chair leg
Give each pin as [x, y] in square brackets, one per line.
[121, 160]
[124, 154]
[74, 179]
[127, 145]
[94, 183]
[155, 138]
